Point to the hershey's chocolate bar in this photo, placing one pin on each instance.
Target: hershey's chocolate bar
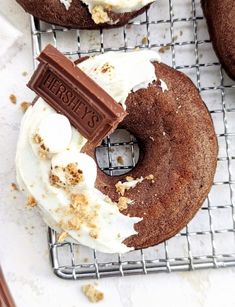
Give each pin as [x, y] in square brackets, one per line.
[92, 111]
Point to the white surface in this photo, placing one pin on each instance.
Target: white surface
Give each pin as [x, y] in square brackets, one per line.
[23, 242]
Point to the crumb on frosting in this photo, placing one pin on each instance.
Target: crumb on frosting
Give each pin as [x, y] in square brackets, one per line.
[24, 106]
[99, 15]
[93, 294]
[122, 187]
[31, 201]
[106, 68]
[43, 150]
[78, 213]
[73, 176]
[62, 236]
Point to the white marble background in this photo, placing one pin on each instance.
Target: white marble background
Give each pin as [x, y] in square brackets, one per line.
[23, 243]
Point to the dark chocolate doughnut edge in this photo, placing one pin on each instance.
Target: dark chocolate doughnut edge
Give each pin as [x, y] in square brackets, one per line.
[78, 16]
[179, 147]
[220, 17]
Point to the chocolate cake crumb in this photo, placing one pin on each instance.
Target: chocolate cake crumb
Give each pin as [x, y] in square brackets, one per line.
[93, 294]
[13, 98]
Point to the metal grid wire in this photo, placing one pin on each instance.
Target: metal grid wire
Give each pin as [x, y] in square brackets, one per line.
[208, 240]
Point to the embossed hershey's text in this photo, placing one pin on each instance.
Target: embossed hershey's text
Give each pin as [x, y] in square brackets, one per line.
[71, 99]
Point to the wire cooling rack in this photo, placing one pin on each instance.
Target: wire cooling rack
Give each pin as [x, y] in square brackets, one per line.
[177, 29]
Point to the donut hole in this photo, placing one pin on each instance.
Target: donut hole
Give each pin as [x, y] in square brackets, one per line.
[118, 154]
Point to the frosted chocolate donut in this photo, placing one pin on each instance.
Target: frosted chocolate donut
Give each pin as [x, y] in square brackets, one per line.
[160, 195]
[85, 14]
[220, 16]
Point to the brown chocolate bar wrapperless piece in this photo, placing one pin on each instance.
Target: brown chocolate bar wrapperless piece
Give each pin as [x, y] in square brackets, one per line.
[65, 87]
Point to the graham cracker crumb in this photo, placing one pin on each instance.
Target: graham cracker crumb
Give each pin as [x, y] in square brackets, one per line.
[37, 138]
[107, 68]
[93, 234]
[120, 188]
[93, 294]
[164, 49]
[149, 177]
[31, 201]
[14, 186]
[123, 203]
[24, 106]
[78, 199]
[99, 15]
[13, 98]
[62, 236]
[145, 40]
[120, 160]
[78, 213]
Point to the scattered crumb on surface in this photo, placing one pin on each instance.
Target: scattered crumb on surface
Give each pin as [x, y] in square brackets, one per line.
[149, 177]
[174, 38]
[31, 202]
[152, 138]
[111, 149]
[13, 98]
[24, 73]
[181, 32]
[145, 40]
[164, 49]
[62, 236]
[85, 260]
[24, 106]
[120, 160]
[93, 294]
[14, 186]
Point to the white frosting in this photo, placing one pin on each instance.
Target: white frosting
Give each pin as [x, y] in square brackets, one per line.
[118, 6]
[33, 177]
[119, 73]
[163, 85]
[66, 3]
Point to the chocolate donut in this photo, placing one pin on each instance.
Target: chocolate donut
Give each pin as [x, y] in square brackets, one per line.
[220, 16]
[78, 15]
[178, 147]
